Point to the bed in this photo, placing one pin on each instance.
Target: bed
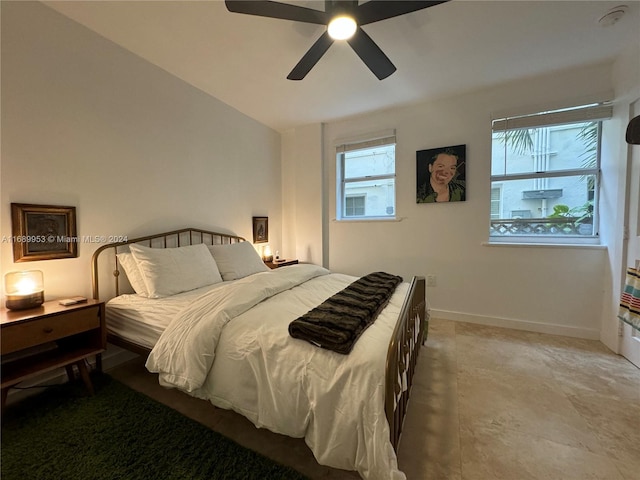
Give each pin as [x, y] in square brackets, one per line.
[224, 337]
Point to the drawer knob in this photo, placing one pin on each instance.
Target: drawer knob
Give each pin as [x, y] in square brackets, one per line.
[47, 330]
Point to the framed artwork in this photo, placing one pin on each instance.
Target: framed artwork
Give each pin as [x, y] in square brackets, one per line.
[260, 229]
[440, 175]
[43, 232]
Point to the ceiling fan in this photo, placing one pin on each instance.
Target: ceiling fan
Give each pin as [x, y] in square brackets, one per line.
[344, 20]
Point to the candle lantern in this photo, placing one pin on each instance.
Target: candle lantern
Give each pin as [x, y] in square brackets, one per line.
[24, 289]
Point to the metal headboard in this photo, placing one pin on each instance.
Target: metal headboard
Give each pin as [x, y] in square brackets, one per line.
[176, 238]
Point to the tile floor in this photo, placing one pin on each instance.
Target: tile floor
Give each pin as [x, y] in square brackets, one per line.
[487, 404]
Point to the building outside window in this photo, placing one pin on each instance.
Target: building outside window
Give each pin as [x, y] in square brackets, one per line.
[545, 173]
[366, 175]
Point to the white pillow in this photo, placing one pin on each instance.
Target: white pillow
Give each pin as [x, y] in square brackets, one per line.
[167, 271]
[132, 272]
[237, 260]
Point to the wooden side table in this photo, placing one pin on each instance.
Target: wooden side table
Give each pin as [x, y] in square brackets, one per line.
[282, 263]
[49, 337]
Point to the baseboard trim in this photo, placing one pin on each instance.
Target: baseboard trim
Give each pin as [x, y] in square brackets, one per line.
[111, 358]
[552, 329]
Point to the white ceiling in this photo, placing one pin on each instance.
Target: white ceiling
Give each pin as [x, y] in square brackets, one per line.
[454, 47]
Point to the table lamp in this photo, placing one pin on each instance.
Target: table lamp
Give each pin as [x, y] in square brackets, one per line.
[24, 289]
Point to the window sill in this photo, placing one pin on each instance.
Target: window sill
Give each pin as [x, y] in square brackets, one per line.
[588, 246]
[366, 220]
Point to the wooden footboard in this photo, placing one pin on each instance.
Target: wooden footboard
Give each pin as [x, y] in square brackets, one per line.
[410, 333]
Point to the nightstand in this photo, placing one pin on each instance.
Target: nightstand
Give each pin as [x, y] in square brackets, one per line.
[283, 263]
[52, 336]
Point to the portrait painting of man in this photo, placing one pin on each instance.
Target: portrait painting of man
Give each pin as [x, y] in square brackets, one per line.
[441, 175]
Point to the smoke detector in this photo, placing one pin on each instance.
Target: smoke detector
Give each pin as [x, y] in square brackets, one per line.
[613, 16]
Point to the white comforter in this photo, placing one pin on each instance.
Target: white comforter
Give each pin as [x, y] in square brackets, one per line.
[232, 347]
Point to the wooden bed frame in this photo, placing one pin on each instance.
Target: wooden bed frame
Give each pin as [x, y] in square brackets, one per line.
[409, 334]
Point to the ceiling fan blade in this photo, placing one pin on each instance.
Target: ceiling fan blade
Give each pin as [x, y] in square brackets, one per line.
[376, 10]
[371, 54]
[283, 11]
[310, 58]
[340, 7]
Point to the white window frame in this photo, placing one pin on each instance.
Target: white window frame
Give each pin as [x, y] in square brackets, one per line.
[587, 113]
[389, 138]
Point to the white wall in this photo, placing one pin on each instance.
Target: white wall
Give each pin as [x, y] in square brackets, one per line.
[86, 123]
[550, 289]
[302, 200]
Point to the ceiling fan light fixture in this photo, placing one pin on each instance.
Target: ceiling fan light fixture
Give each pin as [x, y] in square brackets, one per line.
[343, 19]
[342, 27]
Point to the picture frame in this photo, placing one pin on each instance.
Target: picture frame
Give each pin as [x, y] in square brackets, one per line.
[441, 174]
[43, 232]
[260, 229]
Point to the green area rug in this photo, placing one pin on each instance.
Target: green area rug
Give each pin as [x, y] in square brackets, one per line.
[64, 434]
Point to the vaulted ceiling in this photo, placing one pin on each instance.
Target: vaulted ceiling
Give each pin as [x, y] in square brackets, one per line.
[458, 46]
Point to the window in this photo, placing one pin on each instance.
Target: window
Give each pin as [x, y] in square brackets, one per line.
[354, 206]
[496, 193]
[545, 172]
[366, 179]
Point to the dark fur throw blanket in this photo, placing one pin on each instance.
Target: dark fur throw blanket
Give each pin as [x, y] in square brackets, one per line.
[337, 322]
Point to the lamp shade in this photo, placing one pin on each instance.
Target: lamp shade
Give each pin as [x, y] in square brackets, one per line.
[267, 256]
[24, 289]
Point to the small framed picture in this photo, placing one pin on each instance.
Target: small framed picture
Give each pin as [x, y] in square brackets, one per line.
[441, 175]
[43, 232]
[260, 229]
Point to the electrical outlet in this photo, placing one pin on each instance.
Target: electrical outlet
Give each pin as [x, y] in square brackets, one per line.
[431, 280]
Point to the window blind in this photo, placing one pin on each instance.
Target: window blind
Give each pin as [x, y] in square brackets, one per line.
[589, 113]
[348, 146]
